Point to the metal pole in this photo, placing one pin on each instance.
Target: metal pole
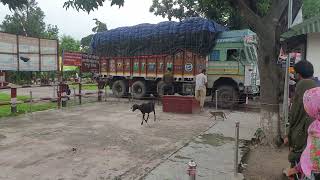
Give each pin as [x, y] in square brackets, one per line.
[130, 94]
[99, 94]
[236, 149]
[59, 95]
[290, 18]
[30, 104]
[105, 93]
[74, 95]
[286, 94]
[286, 82]
[217, 99]
[54, 91]
[80, 93]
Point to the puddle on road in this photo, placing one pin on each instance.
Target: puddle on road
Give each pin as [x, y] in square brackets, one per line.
[213, 139]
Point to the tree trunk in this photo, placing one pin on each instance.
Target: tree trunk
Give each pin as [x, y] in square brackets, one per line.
[270, 75]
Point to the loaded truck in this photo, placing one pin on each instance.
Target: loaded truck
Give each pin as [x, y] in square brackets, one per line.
[230, 58]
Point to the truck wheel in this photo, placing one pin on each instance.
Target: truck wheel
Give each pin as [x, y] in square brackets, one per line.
[139, 90]
[227, 96]
[119, 88]
[160, 88]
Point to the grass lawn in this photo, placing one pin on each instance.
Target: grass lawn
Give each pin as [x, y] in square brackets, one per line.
[5, 111]
[92, 87]
[6, 97]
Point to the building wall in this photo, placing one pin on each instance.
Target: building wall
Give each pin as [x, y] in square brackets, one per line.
[313, 52]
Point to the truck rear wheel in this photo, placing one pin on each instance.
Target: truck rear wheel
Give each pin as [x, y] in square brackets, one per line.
[119, 88]
[227, 96]
[139, 90]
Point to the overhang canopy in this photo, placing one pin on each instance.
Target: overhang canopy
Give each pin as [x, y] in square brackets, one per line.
[309, 26]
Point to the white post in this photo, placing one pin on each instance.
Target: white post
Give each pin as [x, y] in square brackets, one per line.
[216, 99]
[236, 149]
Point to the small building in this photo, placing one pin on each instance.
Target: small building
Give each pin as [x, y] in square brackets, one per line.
[305, 38]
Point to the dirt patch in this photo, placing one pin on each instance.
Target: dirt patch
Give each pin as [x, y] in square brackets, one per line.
[266, 163]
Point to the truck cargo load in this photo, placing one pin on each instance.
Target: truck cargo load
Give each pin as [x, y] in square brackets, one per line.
[196, 35]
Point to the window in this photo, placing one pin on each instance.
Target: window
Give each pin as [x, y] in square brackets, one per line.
[233, 55]
[215, 55]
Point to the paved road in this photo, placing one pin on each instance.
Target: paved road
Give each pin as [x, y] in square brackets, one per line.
[96, 141]
[213, 151]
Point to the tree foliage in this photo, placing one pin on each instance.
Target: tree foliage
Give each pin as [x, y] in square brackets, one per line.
[311, 8]
[89, 5]
[224, 12]
[85, 41]
[100, 26]
[68, 43]
[14, 4]
[28, 20]
[52, 32]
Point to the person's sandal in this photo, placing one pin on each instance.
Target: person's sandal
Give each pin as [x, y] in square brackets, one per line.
[290, 175]
[285, 172]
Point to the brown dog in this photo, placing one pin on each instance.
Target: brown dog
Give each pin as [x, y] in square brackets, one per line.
[219, 114]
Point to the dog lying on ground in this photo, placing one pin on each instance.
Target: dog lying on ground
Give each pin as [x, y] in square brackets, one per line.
[145, 108]
[219, 114]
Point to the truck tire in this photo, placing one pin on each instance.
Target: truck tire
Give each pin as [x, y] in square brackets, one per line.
[139, 90]
[119, 88]
[160, 88]
[227, 96]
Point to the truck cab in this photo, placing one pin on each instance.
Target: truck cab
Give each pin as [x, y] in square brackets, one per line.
[232, 67]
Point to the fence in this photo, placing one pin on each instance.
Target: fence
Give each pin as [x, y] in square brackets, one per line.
[23, 99]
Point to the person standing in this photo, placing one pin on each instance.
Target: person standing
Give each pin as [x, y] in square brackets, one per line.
[201, 88]
[168, 80]
[309, 165]
[299, 121]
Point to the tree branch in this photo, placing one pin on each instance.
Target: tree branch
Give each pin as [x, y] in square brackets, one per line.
[251, 17]
[277, 9]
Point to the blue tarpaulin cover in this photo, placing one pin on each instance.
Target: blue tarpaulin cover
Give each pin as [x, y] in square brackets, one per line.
[193, 34]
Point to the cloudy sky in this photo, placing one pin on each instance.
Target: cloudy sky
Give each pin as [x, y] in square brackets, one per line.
[79, 24]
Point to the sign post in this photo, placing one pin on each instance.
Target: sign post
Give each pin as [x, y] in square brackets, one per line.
[286, 83]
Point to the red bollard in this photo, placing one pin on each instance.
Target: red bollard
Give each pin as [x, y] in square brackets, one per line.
[13, 100]
[192, 170]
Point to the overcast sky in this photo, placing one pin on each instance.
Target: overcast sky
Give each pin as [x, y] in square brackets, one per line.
[79, 24]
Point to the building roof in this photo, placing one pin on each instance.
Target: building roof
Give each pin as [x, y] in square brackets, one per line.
[311, 25]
